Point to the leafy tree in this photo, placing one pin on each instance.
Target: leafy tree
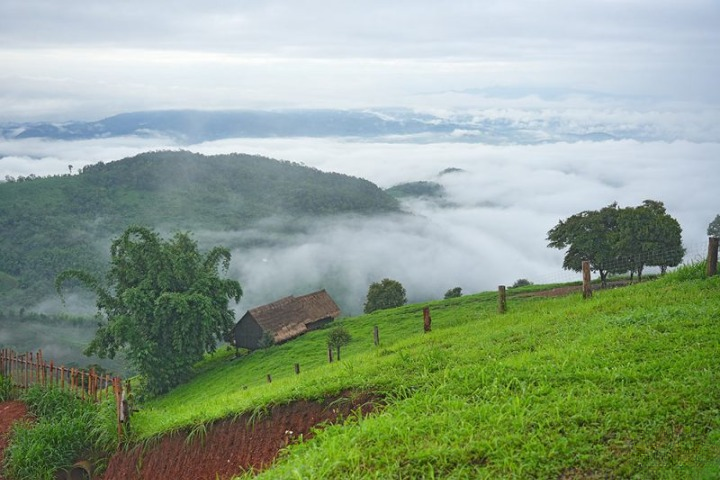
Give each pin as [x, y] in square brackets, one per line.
[616, 240]
[521, 282]
[648, 236]
[714, 227]
[385, 294]
[162, 302]
[453, 293]
[338, 337]
[589, 236]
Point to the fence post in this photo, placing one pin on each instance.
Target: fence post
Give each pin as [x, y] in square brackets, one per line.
[587, 291]
[297, 369]
[269, 378]
[427, 321]
[502, 299]
[712, 256]
[376, 335]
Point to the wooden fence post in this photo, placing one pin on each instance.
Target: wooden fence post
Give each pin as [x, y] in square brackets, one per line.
[269, 378]
[712, 256]
[587, 291]
[297, 369]
[427, 321]
[376, 335]
[502, 299]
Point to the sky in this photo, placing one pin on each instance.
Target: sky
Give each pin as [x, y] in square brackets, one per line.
[83, 60]
[655, 62]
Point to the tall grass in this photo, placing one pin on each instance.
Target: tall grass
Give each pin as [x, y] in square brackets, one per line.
[7, 389]
[65, 429]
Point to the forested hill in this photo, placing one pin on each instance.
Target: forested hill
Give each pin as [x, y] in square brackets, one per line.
[53, 223]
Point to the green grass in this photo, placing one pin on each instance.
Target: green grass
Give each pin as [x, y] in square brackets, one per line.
[64, 429]
[624, 385]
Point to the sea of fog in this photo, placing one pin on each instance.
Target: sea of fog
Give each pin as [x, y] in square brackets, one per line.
[491, 229]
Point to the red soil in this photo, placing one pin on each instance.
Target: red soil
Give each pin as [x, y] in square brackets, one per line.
[232, 446]
[10, 412]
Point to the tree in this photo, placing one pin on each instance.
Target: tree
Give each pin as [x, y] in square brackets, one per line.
[589, 236]
[714, 228]
[453, 293]
[338, 337]
[648, 236]
[385, 294]
[162, 302]
[616, 240]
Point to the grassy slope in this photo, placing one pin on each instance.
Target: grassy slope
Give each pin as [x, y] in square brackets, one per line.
[624, 385]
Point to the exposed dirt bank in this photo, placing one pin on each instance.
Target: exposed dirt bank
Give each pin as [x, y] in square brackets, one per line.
[10, 412]
[229, 447]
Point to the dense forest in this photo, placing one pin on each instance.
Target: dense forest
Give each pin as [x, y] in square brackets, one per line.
[50, 224]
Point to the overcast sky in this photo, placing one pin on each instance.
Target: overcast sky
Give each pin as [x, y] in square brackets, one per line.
[88, 59]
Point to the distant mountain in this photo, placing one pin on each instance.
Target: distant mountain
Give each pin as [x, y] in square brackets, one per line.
[393, 124]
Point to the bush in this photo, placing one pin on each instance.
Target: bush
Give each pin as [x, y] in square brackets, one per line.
[385, 294]
[521, 282]
[453, 293]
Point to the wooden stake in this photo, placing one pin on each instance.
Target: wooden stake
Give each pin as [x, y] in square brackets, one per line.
[376, 335]
[502, 299]
[712, 256]
[427, 321]
[297, 369]
[587, 290]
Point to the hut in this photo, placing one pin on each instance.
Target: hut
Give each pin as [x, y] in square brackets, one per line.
[284, 319]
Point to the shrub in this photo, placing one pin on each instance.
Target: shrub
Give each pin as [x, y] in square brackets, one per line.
[521, 282]
[453, 293]
[385, 294]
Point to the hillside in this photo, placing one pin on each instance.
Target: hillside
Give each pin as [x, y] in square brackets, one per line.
[624, 385]
[54, 223]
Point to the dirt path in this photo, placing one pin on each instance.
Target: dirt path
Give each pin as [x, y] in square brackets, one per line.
[10, 412]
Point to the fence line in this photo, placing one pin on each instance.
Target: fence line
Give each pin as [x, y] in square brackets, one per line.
[28, 369]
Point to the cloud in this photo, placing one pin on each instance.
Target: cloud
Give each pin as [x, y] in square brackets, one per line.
[85, 62]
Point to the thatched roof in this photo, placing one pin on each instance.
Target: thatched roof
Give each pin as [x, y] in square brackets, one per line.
[290, 316]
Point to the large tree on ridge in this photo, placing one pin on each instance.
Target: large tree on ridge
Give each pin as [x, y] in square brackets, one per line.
[162, 302]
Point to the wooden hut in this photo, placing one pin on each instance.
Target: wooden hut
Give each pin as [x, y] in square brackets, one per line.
[284, 319]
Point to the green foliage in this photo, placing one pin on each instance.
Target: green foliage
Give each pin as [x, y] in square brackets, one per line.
[7, 389]
[65, 427]
[338, 337]
[521, 282]
[453, 293]
[385, 294]
[714, 227]
[616, 240]
[164, 304]
[266, 340]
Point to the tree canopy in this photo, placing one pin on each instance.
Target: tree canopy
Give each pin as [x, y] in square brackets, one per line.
[714, 227]
[385, 294]
[162, 302]
[618, 240]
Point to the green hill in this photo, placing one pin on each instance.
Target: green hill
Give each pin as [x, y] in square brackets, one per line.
[54, 223]
[623, 385]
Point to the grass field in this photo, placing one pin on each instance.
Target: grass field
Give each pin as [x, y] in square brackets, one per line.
[624, 385]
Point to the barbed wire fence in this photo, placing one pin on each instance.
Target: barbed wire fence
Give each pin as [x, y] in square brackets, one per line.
[694, 252]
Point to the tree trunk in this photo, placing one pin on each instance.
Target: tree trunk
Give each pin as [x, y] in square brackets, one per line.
[338, 353]
[639, 270]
